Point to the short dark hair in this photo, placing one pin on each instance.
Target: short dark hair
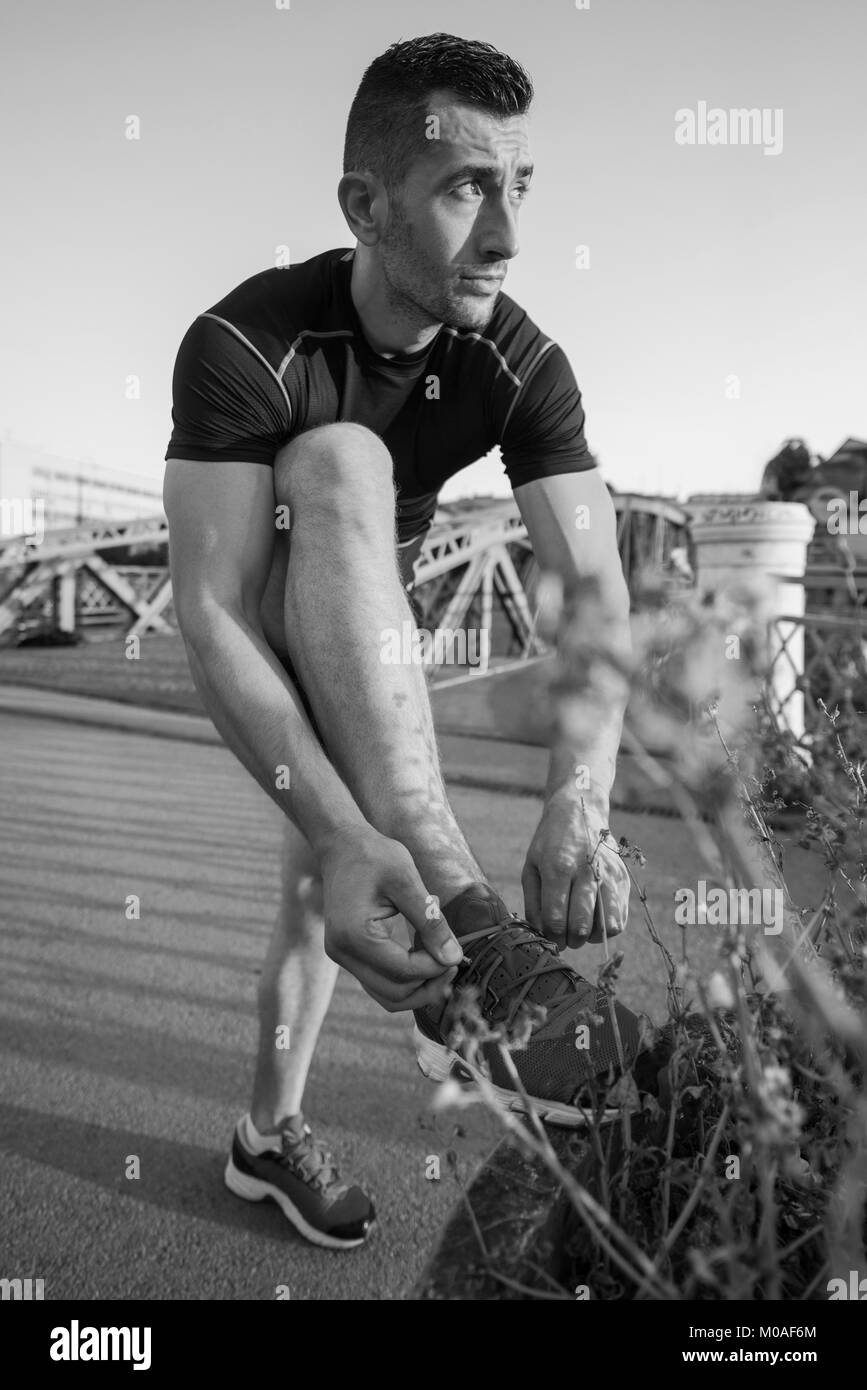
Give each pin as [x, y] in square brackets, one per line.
[385, 129]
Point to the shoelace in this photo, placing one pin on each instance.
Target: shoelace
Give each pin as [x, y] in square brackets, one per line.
[521, 935]
[311, 1160]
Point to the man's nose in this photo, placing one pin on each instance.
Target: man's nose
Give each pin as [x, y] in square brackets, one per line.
[498, 233]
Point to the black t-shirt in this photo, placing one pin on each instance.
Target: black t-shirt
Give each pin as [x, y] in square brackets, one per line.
[285, 352]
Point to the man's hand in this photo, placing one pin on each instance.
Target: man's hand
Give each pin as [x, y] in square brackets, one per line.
[368, 881]
[568, 864]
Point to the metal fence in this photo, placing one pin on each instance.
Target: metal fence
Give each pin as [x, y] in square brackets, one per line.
[834, 674]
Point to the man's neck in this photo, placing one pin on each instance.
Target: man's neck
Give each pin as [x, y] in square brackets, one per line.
[387, 330]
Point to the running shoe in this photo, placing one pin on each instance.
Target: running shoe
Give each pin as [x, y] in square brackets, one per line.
[299, 1174]
[507, 967]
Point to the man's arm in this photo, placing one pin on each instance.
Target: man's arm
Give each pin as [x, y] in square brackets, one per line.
[222, 536]
[571, 522]
[572, 525]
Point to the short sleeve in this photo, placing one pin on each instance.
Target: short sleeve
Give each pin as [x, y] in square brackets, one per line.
[227, 402]
[544, 430]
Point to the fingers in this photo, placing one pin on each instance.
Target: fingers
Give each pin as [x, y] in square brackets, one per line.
[576, 909]
[395, 1000]
[434, 992]
[381, 958]
[615, 901]
[532, 888]
[396, 978]
[609, 914]
[582, 902]
[366, 892]
[422, 910]
[556, 891]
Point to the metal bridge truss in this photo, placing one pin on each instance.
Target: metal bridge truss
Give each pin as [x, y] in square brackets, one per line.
[476, 569]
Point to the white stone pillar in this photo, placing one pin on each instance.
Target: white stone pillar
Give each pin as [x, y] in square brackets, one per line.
[750, 541]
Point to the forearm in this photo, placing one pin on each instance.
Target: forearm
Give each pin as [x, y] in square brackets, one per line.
[586, 769]
[253, 705]
[584, 751]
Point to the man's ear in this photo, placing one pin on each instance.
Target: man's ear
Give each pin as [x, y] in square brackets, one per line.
[364, 203]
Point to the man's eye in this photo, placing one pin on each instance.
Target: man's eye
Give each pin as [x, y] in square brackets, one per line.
[472, 188]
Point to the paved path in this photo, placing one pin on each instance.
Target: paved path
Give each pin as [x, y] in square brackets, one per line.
[133, 1037]
[501, 762]
[123, 1037]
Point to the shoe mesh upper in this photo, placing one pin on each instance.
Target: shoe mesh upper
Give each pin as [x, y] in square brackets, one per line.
[509, 966]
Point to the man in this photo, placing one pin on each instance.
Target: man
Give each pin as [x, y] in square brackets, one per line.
[313, 393]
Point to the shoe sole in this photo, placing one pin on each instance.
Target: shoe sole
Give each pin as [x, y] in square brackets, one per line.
[255, 1190]
[439, 1063]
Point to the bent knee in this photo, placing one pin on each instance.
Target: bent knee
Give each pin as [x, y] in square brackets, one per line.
[333, 465]
[306, 893]
[301, 913]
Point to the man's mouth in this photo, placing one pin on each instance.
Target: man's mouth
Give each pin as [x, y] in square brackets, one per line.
[484, 284]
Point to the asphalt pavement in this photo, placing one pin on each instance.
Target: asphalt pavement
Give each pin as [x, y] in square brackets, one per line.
[128, 1037]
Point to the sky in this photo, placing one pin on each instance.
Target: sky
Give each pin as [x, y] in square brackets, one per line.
[722, 306]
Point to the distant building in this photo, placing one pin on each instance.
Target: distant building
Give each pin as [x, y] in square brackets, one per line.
[64, 492]
[845, 470]
[793, 475]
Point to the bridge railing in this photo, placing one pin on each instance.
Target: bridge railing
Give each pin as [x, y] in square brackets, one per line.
[824, 658]
[475, 570]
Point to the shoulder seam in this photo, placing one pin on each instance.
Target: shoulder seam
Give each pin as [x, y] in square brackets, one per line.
[504, 366]
[530, 370]
[311, 333]
[256, 353]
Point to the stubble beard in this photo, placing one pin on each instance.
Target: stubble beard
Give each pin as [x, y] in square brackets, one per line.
[414, 287]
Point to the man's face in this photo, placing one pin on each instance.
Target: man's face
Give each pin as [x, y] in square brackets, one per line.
[453, 225]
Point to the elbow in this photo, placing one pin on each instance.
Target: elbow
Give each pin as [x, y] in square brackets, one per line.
[197, 615]
[204, 620]
[189, 610]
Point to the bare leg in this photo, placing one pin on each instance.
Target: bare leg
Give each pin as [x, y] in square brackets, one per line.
[343, 594]
[294, 991]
